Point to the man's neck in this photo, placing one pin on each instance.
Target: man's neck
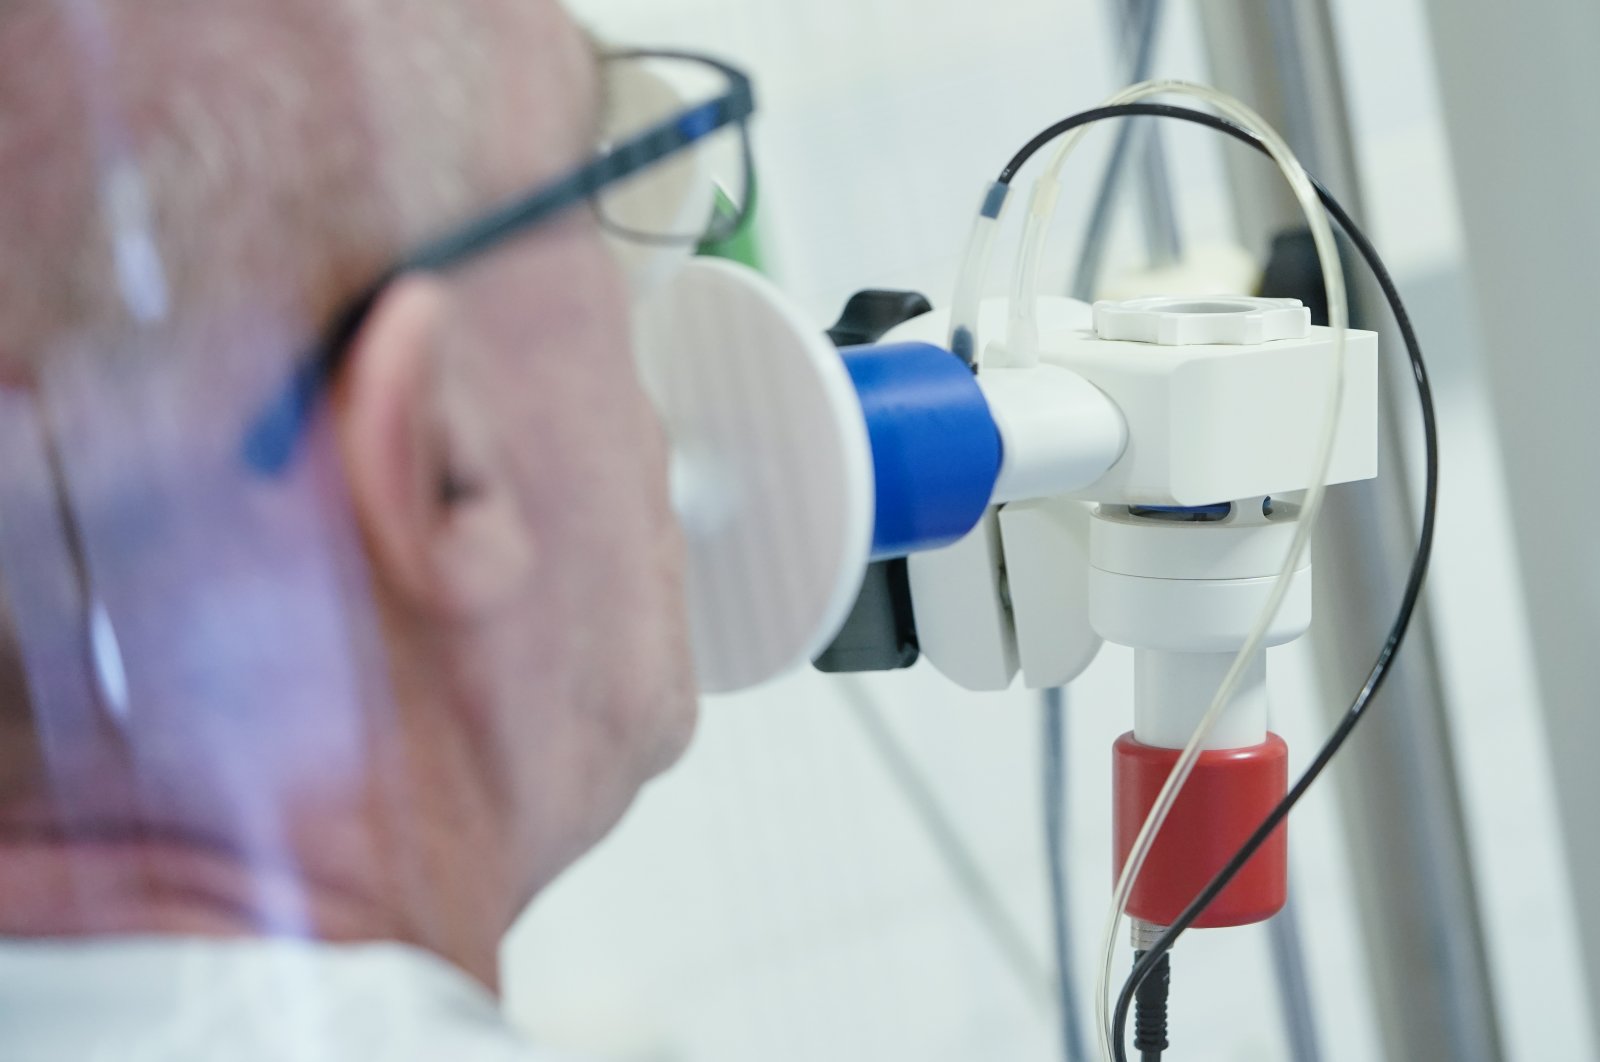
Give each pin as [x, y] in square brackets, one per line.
[350, 825]
[116, 881]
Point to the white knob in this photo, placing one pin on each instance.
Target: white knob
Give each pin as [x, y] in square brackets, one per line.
[1186, 321]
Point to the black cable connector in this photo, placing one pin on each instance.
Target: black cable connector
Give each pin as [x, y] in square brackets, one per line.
[1150, 1009]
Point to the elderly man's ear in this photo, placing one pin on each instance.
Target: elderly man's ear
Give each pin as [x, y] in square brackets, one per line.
[438, 510]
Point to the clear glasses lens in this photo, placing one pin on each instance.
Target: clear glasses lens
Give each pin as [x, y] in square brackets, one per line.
[700, 193]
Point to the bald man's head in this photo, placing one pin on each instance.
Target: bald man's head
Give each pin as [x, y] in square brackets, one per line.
[179, 160]
[440, 653]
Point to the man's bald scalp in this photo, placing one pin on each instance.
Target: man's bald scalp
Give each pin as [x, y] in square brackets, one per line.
[277, 156]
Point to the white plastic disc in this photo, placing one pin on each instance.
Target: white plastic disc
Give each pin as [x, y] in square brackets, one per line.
[1190, 321]
[772, 470]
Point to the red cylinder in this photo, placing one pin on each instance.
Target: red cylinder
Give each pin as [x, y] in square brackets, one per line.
[1226, 798]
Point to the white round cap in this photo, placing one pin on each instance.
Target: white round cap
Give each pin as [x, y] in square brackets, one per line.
[772, 476]
[1188, 320]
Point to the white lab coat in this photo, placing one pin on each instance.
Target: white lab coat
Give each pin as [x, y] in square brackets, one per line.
[179, 999]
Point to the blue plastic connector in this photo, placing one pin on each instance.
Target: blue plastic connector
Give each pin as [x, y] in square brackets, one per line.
[936, 450]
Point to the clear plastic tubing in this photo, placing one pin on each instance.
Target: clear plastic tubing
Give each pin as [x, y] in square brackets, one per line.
[1338, 319]
[1022, 348]
[974, 270]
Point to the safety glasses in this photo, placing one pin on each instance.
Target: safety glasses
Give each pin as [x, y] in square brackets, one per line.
[674, 168]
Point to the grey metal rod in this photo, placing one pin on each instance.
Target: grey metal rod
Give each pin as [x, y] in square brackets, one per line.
[1053, 743]
[1294, 984]
[1163, 236]
[1525, 143]
[1141, 22]
[953, 849]
[1406, 837]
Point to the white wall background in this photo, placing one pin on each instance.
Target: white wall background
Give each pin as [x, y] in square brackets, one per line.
[773, 897]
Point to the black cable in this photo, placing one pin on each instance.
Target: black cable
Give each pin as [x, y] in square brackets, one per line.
[1150, 1020]
[1414, 582]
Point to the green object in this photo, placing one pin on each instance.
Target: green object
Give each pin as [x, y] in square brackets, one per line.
[743, 244]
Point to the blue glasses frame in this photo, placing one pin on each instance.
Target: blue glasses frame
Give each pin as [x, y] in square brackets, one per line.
[273, 437]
